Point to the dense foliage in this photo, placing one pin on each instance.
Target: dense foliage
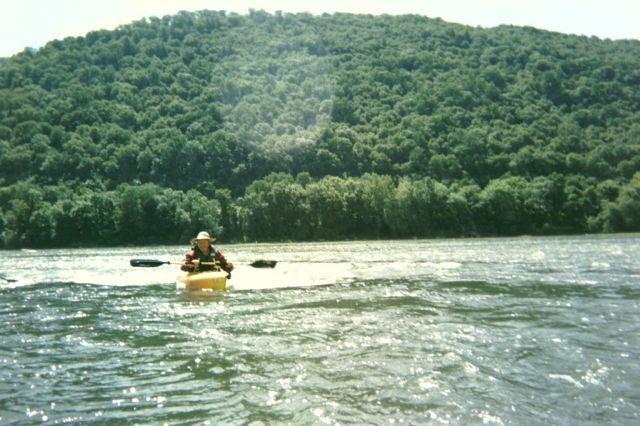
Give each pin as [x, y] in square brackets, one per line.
[293, 126]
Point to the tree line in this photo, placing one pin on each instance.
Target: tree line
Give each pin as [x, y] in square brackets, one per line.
[249, 119]
[281, 207]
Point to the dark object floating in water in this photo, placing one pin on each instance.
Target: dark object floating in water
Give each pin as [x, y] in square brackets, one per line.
[264, 263]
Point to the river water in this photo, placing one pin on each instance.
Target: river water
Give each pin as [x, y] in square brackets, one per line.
[465, 331]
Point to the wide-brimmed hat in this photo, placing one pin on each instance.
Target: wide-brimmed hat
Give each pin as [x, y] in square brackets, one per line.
[203, 235]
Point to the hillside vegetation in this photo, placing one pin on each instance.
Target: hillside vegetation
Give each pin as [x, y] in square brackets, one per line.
[300, 127]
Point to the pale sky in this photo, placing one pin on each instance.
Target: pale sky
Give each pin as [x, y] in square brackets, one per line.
[32, 23]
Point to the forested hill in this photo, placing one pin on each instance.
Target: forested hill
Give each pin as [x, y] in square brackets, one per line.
[300, 127]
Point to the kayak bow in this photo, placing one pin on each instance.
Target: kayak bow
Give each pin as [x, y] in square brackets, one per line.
[215, 280]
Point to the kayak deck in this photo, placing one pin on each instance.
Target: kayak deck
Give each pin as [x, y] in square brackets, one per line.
[216, 280]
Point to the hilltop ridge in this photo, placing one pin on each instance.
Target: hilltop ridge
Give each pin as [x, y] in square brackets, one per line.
[294, 126]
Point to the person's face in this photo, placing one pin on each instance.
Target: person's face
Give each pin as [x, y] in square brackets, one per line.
[203, 245]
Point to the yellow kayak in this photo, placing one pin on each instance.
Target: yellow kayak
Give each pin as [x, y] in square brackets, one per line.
[216, 280]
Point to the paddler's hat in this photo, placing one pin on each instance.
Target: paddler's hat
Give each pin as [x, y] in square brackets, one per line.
[203, 235]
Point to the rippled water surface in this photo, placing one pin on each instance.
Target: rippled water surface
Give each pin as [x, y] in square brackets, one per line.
[479, 331]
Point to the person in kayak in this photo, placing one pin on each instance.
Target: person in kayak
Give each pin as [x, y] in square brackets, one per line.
[204, 256]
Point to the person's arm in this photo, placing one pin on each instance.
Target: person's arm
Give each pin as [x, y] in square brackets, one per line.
[189, 264]
[225, 264]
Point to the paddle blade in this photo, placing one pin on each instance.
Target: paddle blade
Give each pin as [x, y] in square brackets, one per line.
[9, 280]
[264, 263]
[146, 263]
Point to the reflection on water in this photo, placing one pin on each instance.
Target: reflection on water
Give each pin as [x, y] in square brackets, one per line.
[201, 296]
[497, 331]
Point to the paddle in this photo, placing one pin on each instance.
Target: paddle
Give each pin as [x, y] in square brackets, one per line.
[147, 263]
[9, 280]
[151, 263]
[264, 263]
